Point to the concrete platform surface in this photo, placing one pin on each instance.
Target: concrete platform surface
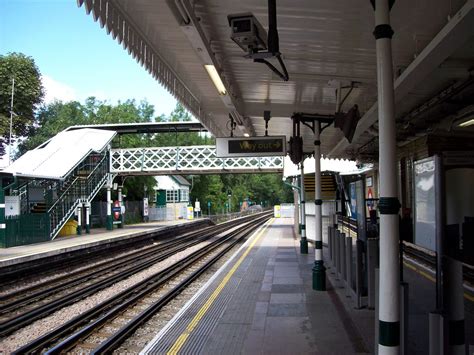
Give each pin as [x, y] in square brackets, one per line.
[261, 302]
[19, 254]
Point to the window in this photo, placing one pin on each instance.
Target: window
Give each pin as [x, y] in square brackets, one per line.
[171, 195]
[184, 195]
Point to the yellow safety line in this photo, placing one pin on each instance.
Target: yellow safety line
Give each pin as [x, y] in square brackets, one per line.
[184, 336]
[432, 279]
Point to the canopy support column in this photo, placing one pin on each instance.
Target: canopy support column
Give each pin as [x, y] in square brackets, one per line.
[389, 283]
[79, 218]
[319, 271]
[87, 206]
[120, 199]
[109, 223]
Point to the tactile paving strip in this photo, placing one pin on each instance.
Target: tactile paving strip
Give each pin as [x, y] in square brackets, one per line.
[195, 342]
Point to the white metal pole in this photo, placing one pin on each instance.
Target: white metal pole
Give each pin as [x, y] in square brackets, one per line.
[109, 222]
[389, 283]
[304, 240]
[88, 217]
[319, 271]
[11, 124]
[120, 199]
[79, 219]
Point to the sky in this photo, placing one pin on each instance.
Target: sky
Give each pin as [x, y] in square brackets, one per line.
[76, 57]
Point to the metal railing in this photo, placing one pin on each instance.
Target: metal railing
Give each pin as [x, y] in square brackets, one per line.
[182, 160]
[80, 188]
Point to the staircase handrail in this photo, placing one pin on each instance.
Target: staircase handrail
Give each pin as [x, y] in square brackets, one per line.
[97, 166]
[62, 195]
[74, 183]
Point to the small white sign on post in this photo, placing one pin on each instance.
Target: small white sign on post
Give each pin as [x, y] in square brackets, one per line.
[145, 207]
[12, 206]
[197, 206]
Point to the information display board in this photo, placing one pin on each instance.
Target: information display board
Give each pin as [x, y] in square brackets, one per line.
[250, 147]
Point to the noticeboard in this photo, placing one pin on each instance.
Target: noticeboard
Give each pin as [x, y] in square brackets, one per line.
[251, 147]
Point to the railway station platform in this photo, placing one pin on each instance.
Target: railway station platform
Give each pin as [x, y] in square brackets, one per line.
[261, 302]
[98, 238]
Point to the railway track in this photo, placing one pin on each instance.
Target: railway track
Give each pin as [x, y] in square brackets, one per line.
[428, 258]
[104, 327]
[45, 267]
[22, 307]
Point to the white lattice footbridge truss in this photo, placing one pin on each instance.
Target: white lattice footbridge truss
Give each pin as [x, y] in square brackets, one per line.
[186, 160]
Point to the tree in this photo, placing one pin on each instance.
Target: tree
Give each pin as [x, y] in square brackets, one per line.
[266, 189]
[28, 94]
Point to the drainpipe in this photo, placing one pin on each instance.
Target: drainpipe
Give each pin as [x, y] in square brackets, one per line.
[389, 287]
[319, 271]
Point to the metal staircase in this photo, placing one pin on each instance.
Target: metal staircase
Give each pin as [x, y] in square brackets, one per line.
[45, 205]
[81, 187]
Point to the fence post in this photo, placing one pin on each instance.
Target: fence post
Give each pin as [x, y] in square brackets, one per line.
[359, 274]
[349, 264]
[337, 263]
[372, 263]
[342, 256]
[330, 243]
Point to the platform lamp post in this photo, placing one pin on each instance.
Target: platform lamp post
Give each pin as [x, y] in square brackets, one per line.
[314, 121]
[389, 288]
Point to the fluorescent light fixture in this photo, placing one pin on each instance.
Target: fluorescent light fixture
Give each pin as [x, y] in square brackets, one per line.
[246, 135]
[216, 79]
[467, 123]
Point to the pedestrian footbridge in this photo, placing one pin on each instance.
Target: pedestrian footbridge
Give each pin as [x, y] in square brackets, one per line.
[186, 160]
[51, 182]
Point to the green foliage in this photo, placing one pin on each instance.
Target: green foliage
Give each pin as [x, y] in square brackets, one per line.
[28, 94]
[260, 189]
[265, 189]
[57, 116]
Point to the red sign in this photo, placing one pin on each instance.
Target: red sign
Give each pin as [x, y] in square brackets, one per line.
[116, 210]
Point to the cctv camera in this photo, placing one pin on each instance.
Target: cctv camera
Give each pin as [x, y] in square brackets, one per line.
[247, 32]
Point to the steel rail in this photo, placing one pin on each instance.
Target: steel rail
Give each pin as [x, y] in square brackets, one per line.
[123, 333]
[18, 321]
[28, 296]
[28, 268]
[114, 304]
[429, 258]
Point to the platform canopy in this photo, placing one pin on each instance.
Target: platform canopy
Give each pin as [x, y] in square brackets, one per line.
[145, 127]
[325, 44]
[55, 158]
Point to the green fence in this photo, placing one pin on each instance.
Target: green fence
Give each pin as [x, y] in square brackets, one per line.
[26, 229]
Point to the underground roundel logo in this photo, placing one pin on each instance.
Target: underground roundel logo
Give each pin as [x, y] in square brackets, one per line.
[116, 210]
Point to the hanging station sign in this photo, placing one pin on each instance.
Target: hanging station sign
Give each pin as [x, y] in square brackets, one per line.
[251, 146]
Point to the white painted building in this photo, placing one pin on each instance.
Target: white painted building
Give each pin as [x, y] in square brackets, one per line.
[172, 193]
